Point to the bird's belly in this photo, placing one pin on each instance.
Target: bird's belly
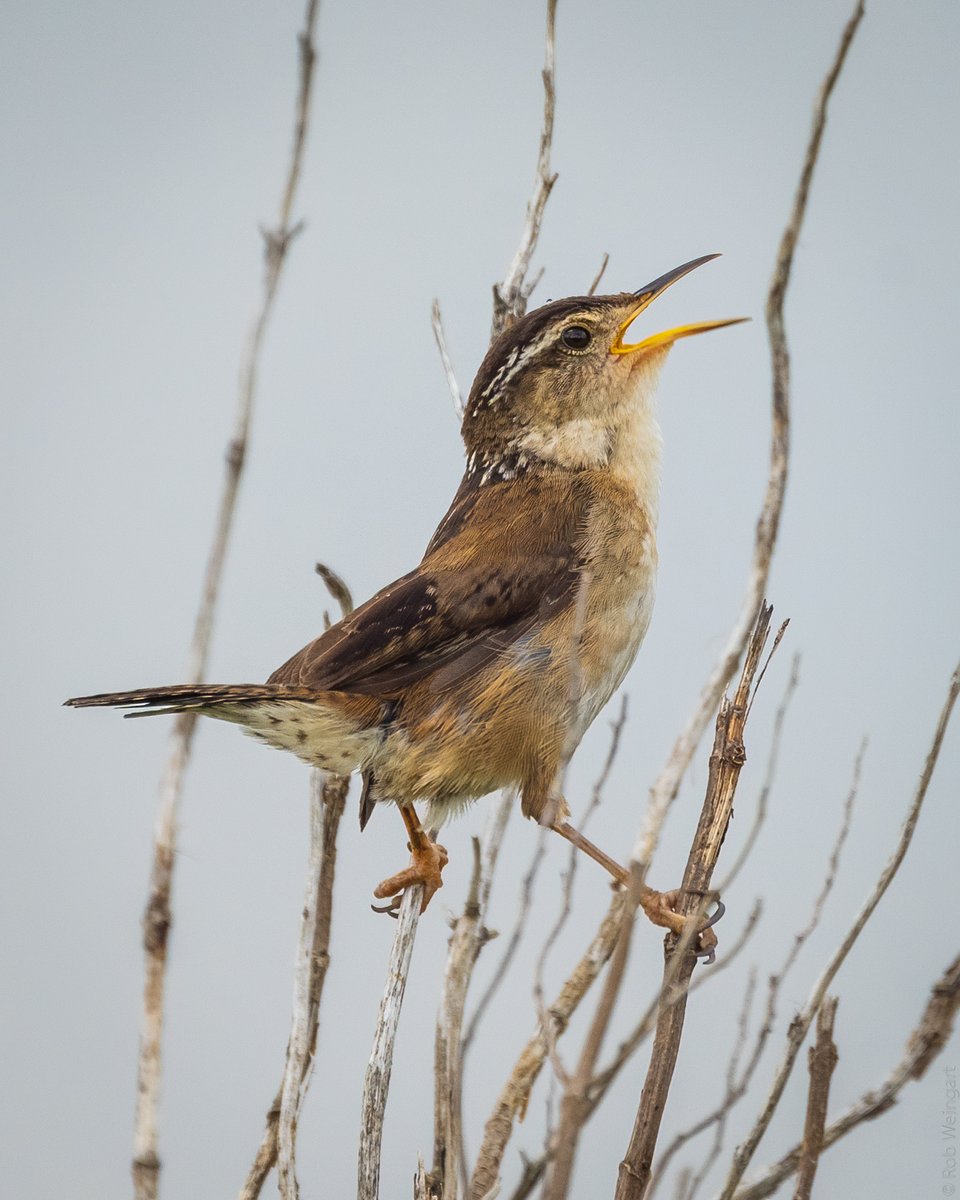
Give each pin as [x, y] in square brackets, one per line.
[617, 633]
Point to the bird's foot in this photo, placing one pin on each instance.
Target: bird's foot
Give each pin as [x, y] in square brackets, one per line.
[661, 909]
[427, 860]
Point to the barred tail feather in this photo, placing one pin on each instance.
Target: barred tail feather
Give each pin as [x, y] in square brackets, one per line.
[186, 696]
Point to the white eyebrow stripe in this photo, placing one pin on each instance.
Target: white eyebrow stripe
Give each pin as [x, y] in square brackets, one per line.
[517, 359]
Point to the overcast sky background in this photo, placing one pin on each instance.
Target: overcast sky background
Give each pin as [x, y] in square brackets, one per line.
[142, 146]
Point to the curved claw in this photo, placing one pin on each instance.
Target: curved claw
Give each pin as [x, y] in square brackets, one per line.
[715, 917]
[392, 909]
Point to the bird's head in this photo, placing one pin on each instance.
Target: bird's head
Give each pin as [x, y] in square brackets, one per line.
[556, 385]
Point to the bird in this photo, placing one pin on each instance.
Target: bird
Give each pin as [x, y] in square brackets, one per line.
[483, 667]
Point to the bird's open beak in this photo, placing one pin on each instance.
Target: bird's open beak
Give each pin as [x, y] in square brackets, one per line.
[648, 294]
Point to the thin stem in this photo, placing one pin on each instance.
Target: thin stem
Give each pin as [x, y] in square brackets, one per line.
[823, 1060]
[510, 296]
[157, 917]
[801, 1022]
[726, 761]
[376, 1083]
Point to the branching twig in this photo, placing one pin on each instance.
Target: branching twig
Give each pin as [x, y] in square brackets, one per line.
[801, 1023]
[513, 941]
[726, 760]
[924, 1044]
[667, 785]
[736, 1089]
[512, 1101]
[767, 786]
[510, 296]
[823, 1060]
[158, 913]
[575, 1104]
[376, 1082]
[601, 1083]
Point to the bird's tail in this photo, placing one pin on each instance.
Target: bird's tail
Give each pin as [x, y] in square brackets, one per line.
[338, 731]
[186, 696]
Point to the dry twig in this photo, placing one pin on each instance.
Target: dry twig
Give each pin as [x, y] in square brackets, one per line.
[513, 1098]
[575, 1103]
[513, 941]
[766, 787]
[600, 1084]
[667, 785]
[510, 296]
[157, 916]
[823, 1060]
[466, 941]
[924, 1044]
[737, 1087]
[328, 798]
[592, 290]
[801, 1022]
[376, 1082]
[726, 760]
[436, 320]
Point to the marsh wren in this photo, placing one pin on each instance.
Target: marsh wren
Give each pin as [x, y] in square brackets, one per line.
[484, 666]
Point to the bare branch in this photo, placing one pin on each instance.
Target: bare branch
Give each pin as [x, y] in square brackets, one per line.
[513, 1098]
[327, 801]
[832, 864]
[773, 757]
[667, 785]
[726, 760]
[157, 916]
[600, 1084]
[592, 290]
[467, 940]
[510, 296]
[574, 1107]
[823, 1060]
[801, 1023]
[436, 321]
[720, 1113]
[513, 942]
[736, 1089]
[628, 1047]
[924, 1044]
[312, 959]
[376, 1082]
[328, 797]
[490, 844]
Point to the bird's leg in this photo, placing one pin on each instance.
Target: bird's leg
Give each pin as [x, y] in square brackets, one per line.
[658, 906]
[427, 860]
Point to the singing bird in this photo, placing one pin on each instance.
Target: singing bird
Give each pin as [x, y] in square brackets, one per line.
[484, 666]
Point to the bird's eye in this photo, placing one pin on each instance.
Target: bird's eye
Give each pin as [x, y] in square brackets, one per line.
[575, 337]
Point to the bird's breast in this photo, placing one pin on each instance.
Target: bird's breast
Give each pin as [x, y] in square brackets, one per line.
[619, 588]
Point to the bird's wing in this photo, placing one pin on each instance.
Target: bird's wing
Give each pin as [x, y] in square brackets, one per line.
[505, 557]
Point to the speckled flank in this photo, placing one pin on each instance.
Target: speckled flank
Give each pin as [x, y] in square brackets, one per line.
[320, 735]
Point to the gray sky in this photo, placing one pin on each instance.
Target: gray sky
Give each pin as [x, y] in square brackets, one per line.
[142, 147]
